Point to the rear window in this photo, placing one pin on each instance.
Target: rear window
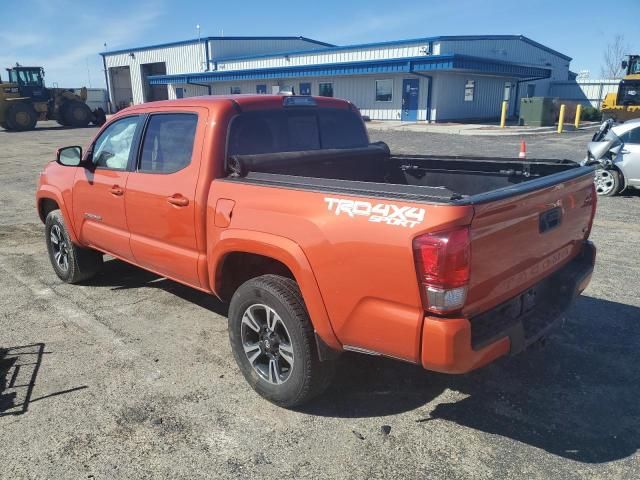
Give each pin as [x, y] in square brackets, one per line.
[273, 131]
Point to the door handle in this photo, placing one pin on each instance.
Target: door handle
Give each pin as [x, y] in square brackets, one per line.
[117, 191]
[178, 200]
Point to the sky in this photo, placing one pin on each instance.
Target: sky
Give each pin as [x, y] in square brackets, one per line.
[66, 36]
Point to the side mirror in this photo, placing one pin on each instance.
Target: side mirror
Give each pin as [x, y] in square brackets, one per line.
[624, 64]
[69, 156]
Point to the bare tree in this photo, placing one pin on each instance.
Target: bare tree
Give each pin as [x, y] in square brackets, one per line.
[613, 56]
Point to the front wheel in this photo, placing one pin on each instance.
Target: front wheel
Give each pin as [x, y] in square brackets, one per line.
[76, 114]
[71, 263]
[273, 342]
[607, 182]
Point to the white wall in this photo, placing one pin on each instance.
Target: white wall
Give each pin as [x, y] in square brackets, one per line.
[512, 50]
[448, 97]
[360, 90]
[232, 47]
[412, 49]
[178, 59]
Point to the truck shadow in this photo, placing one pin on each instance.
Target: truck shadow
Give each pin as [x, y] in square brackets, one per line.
[119, 275]
[577, 397]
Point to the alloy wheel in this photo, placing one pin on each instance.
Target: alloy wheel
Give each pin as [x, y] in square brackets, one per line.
[604, 181]
[267, 343]
[59, 247]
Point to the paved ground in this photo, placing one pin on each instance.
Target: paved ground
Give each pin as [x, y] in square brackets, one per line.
[134, 376]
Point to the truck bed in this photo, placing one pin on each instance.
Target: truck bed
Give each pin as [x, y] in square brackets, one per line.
[374, 171]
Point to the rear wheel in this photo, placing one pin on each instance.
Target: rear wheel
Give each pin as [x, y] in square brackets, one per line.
[607, 182]
[21, 116]
[71, 263]
[76, 114]
[273, 342]
[99, 117]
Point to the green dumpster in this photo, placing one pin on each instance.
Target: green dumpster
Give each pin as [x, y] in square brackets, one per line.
[537, 111]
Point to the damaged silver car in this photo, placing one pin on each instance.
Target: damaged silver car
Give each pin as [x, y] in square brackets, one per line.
[615, 150]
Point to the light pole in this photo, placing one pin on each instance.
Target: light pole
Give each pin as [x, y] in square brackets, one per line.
[204, 54]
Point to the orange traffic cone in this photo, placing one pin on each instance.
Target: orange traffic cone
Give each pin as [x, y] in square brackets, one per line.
[523, 150]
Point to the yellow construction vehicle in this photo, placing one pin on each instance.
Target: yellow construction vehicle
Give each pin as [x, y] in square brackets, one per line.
[24, 100]
[625, 104]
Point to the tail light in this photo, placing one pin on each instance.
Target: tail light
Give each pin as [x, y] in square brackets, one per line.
[443, 262]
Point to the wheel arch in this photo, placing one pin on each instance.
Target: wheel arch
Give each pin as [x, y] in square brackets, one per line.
[267, 253]
[47, 199]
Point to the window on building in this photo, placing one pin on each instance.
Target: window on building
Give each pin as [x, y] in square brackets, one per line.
[305, 88]
[168, 142]
[384, 90]
[235, 90]
[262, 89]
[469, 90]
[325, 89]
[531, 90]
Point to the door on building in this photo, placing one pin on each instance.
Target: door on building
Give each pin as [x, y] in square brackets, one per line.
[410, 90]
[121, 91]
[305, 89]
[153, 93]
[261, 89]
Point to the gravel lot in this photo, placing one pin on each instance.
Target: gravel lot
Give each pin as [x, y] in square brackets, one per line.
[134, 376]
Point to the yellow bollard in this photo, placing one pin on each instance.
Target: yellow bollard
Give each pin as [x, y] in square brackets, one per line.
[503, 116]
[578, 114]
[561, 119]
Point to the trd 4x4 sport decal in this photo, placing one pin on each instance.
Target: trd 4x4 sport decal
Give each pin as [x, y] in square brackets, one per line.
[379, 212]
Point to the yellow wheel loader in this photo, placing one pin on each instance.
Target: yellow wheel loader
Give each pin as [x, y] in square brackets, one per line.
[625, 104]
[24, 100]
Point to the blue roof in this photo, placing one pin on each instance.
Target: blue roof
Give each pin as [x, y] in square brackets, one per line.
[205, 39]
[403, 42]
[397, 65]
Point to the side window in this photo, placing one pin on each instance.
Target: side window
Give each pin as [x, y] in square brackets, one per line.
[632, 136]
[168, 142]
[113, 147]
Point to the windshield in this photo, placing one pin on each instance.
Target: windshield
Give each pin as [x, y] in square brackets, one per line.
[26, 78]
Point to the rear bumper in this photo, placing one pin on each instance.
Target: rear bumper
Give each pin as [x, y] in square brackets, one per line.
[459, 345]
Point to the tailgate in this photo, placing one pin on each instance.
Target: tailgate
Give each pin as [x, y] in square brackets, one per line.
[518, 241]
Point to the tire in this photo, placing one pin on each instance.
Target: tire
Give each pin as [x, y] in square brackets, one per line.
[289, 376]
[4, 125]
[99, 117]
[21, 117]
[608, 183]
[61, 120]
[71, 263]
[76, 114]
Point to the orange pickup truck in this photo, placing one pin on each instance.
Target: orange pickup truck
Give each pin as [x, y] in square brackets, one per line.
[320, 240]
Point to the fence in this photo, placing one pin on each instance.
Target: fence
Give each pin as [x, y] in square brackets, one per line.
[586, 92]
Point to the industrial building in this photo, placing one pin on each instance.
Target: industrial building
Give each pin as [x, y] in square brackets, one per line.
[436, 79]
